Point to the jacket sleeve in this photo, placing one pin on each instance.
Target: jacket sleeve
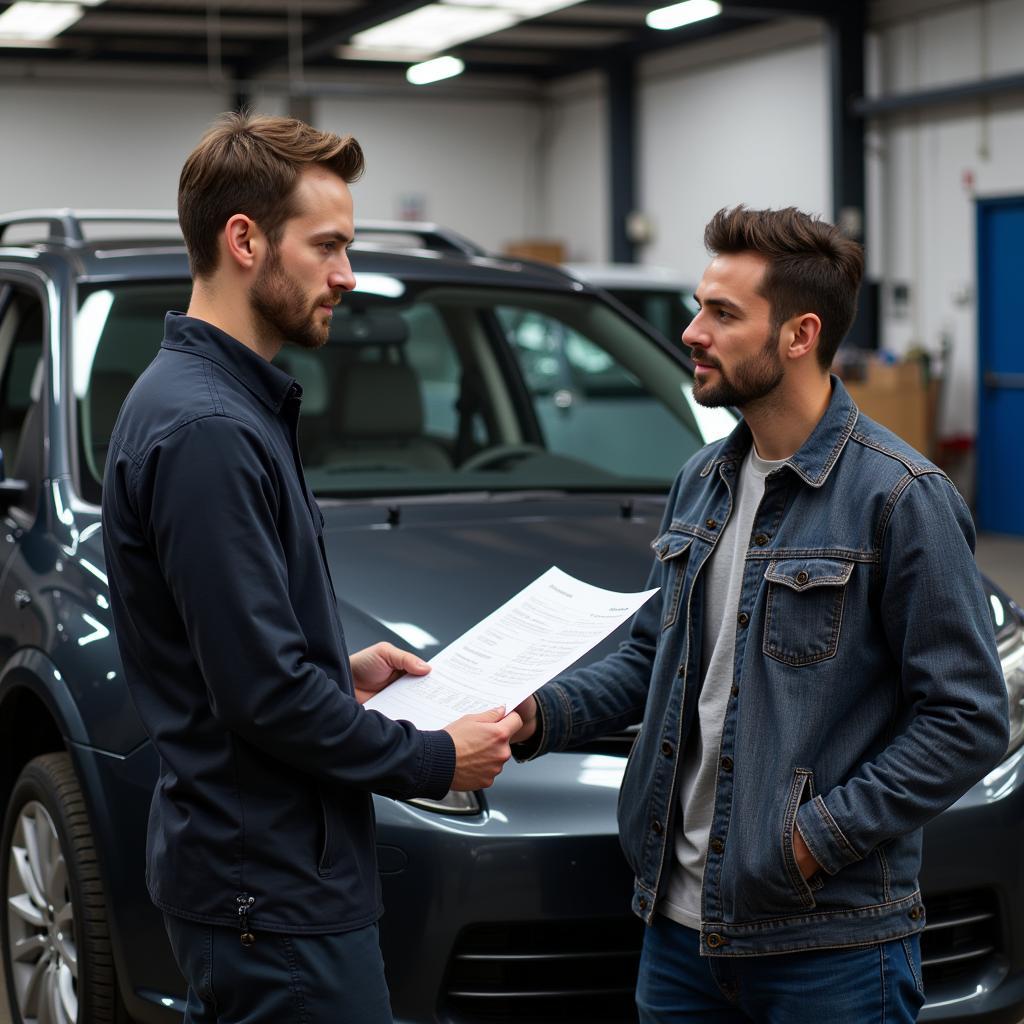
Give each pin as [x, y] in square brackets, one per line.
[952, 725]
[209, 502]
[595, 700]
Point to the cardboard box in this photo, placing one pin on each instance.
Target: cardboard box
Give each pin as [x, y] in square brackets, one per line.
[548, 250]
[899, 397]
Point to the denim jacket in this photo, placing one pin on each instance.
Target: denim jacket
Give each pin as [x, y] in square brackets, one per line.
[867, 696]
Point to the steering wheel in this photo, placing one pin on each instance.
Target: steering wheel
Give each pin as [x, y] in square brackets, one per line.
[490, 458]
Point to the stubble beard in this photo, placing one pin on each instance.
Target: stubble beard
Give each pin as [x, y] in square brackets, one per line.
[282, 311]
[750, 381]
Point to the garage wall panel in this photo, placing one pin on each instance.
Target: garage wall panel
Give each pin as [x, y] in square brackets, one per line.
[472, 166]
[751, 131]
[574, 194]
[94, 146]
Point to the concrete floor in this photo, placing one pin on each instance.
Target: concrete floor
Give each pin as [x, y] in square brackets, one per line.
[1000, 558]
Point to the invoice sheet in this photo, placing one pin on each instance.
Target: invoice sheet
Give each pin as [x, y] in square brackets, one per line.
[515, 650]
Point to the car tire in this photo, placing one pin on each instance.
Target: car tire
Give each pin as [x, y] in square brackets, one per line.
[49, 878]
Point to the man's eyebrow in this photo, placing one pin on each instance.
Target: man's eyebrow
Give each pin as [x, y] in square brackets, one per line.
[337, 236]
[721, 303]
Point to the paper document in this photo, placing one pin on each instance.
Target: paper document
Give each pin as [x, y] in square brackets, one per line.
[514, 651]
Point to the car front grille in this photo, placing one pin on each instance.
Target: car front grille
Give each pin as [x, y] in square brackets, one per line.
[963, 930]
[568, 972]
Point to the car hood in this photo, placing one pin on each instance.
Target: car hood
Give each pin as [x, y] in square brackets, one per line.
[422, 573]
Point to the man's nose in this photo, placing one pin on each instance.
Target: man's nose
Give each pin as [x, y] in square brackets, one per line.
[342, 278]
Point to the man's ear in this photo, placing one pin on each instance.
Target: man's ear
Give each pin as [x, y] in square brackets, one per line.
[243, 241]
[801, 335]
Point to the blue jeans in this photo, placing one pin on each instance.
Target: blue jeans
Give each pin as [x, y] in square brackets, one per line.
[875, 984]
[280, 979]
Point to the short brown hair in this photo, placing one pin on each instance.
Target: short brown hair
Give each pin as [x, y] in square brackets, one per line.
[250, 163]
[812, 266]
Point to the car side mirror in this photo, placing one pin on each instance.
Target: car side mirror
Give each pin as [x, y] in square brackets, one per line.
[10, 490]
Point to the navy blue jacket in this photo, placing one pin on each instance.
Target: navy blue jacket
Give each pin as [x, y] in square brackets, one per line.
[227, 624]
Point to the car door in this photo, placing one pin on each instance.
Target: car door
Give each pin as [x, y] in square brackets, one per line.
[23, 320]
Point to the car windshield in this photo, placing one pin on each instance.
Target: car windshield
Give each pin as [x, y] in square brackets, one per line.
[425, 388]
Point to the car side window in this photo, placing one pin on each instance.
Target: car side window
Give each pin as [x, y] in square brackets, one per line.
[588, 402]
[22, 323]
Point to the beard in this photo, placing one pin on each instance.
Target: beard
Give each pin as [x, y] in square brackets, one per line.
[282, 310]
[754, 378]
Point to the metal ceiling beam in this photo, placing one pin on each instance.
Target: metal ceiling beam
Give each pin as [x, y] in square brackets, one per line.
[845, 40]
[622, 155]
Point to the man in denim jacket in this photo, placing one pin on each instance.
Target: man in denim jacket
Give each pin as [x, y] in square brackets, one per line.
[817, 676]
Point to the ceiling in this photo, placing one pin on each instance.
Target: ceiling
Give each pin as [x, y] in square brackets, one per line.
[251, 40]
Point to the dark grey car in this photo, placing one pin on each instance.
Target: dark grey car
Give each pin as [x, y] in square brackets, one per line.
[452, 469]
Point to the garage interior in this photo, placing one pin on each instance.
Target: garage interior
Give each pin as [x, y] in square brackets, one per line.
[585, 135]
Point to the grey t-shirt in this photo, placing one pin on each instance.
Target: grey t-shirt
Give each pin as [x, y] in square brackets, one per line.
[698, 768]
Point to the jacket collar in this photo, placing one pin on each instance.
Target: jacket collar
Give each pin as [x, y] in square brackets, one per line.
[269, 383]
[814, 460]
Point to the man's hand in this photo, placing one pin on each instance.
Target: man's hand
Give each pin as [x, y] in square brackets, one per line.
[804, 858]
[527, 711]
[481, 747]
[375, 667]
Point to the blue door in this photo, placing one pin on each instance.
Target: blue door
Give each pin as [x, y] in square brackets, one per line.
[1000, 446]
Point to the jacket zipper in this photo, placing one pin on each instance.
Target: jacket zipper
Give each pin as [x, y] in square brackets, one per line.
[245, 904]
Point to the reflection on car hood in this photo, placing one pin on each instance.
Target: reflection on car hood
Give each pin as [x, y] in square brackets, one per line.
[445, 566]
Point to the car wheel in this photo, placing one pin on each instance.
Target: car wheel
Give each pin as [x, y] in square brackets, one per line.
[58, 965]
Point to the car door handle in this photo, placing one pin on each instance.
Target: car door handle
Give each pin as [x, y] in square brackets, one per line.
[1004, 380]
[22, 598]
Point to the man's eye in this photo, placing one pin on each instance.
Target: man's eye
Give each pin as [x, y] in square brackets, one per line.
[328, 246]
[724, 314]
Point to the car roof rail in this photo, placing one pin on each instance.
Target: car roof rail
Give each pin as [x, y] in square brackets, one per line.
[431, 236]
[65, 225]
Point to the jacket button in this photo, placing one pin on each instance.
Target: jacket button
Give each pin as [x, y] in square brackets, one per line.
[802, 577]
[667, 749]
[735, 691]
[761, 539]
[916, 913]
[743, 618]
[727, 764]
[714, 940]
[716, 844]
[656, 827]
[681, 671]
[642, 903]
[711, 524]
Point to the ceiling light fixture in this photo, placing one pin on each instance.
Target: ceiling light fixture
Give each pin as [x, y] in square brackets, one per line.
[685, 13]
[434, 70]
[30, 21]
[440, 26]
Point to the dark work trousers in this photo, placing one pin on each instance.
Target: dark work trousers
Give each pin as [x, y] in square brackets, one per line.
[280, 979]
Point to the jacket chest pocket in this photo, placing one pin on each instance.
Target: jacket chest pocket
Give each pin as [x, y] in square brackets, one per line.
[672, 550]
[804, 612]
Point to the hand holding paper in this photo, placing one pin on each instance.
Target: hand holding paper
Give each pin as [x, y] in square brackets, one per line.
[513, 651]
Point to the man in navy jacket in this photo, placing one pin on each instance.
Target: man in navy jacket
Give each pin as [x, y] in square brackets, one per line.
[261, 835]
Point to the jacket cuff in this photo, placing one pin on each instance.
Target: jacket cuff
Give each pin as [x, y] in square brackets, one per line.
[552, 724]
[437, 764]
[824, 838]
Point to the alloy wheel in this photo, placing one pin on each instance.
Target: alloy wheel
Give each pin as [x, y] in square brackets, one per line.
[40, 922]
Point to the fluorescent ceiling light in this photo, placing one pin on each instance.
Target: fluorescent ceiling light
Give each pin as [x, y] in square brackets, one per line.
[435, 70]
[434, 27]
[522, 9]
[685, 13]
[440, 26]
[30, 21]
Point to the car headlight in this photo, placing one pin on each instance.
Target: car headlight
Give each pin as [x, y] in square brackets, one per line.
[1013, 672]
[451, 803]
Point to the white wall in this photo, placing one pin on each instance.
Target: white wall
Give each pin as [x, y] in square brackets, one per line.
[472, 163]
[89, 145]
[926, 169]
[747, 129]
[574, 197]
